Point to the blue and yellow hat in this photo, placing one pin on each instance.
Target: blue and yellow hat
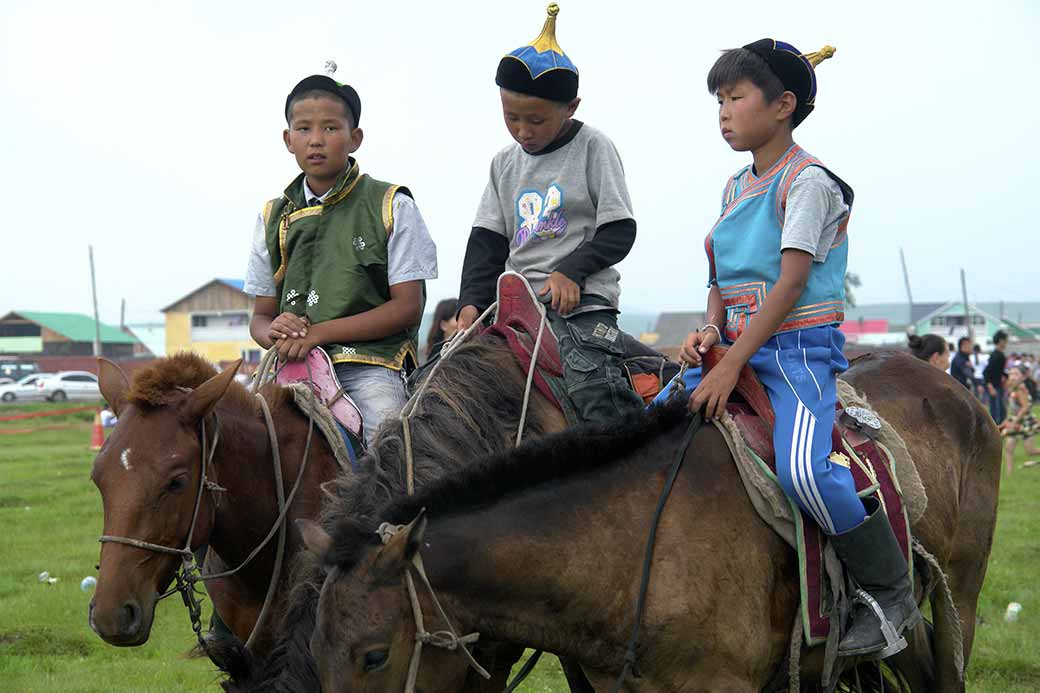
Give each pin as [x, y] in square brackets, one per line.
[795, 70]
[540, 68]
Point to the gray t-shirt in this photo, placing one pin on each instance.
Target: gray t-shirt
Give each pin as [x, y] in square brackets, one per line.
[411, 252]
[815, 209]
[547, 205]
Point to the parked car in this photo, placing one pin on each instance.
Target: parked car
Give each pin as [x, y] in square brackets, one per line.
[25, 389]
[70, 385]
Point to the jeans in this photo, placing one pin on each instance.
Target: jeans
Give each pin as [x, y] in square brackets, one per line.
[593, 356]
[998, 406]
[378, 391]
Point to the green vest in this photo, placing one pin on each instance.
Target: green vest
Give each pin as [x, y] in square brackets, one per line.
[330, 260]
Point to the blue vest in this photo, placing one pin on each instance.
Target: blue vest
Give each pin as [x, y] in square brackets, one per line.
[744, 249]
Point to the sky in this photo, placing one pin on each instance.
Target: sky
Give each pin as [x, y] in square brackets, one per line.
[152, 131]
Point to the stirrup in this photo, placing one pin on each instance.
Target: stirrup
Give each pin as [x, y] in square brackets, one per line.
[894, 642]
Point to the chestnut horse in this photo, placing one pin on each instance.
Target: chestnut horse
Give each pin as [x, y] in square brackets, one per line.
[148, 475]
[542, 546]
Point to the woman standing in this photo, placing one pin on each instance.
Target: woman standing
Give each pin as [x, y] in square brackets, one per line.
[1020, 423]
[931, 348]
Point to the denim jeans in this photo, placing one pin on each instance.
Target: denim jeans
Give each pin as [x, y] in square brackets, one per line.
[378, 391]
[997, 406]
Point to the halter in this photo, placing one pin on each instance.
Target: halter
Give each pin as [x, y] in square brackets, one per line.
[190, 573]
[445, 639]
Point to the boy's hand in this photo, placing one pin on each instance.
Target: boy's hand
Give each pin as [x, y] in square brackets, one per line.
[288, 325]
[294, 349]
[466, 317]
[696, 345]
[565, 293]
[714, 391]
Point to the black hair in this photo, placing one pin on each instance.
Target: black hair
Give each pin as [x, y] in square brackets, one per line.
[445, 310]
[999, 335]
[736, 64]
[319, 94]
[962, 340]
[927, 346]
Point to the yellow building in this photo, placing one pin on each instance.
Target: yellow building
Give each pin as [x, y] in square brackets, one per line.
[213, 321]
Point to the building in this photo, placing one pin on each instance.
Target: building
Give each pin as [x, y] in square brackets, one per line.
[152, 336]
[32, 334]
[213, 321]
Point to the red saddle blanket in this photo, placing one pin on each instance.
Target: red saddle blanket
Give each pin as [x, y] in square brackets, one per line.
[873, 470]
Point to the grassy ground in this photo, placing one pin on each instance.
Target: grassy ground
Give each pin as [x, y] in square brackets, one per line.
[51, 515]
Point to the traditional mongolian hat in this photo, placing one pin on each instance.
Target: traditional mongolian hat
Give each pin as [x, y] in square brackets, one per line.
[344, 92]
[540, 68]
[794, 69]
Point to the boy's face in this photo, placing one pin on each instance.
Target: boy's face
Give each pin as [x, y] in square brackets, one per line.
[533, 122]
[321, 136]
[747, 120]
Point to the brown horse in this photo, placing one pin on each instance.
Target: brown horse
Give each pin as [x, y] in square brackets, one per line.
[469, 411]
[148, 475]
[542, 546]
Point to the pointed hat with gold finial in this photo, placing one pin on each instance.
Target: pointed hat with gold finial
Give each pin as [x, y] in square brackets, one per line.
[795, 69]
[540, 68]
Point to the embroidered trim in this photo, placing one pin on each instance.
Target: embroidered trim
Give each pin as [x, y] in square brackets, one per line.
[395, 364]
[388, 209]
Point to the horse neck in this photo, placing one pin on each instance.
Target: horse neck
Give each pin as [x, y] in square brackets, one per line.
[509, 569]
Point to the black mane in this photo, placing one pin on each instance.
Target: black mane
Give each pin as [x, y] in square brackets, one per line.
[574, 452]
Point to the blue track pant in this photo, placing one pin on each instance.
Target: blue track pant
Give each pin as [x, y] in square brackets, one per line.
[798, 370]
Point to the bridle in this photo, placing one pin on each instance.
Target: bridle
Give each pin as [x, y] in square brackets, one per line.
[189, 574]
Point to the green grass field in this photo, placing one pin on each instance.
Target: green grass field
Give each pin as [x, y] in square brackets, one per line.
[51, 517]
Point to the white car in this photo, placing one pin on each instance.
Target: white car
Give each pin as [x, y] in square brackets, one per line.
[70, 385]
[25, 389]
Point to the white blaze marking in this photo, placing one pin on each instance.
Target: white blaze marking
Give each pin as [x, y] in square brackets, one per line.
[124, 459]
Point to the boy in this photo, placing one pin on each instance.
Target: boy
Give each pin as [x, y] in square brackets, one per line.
[557, 211]
[777, 260]
[993, 377]
[340, 260]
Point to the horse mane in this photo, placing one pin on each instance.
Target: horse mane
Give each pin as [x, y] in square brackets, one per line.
[572, 453]
[164, 382]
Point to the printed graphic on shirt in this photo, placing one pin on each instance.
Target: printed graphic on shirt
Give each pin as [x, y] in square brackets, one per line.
[540, 217]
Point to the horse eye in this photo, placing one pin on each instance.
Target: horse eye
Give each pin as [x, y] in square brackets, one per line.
[376, 660]
[175, 484]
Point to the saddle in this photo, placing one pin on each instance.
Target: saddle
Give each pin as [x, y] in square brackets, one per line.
[517, 321]
[853, 446]
[318, 373]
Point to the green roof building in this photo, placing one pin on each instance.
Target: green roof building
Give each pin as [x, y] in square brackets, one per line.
[33, 333]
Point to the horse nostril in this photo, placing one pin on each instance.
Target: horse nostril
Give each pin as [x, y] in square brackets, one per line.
[133, 617]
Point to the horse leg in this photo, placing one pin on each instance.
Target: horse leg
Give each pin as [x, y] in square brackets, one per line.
[576, 678]
[498, 658]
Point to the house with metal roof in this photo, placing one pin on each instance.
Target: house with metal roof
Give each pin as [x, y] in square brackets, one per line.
[213, 321]
[31, 333]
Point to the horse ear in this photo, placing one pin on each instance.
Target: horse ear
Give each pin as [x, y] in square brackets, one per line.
[401, 548]
[316, 539]
[204, 398]
[113, 384]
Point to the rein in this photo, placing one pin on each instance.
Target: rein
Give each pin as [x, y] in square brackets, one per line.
[190, 573]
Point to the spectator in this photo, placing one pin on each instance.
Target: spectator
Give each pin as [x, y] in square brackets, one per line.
[931, 348]
[444, 325]
[961, 368]
[1020, 424]
[993, 376]
[978, 362]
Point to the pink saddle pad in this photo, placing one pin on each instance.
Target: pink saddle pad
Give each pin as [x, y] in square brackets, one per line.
[318, 372]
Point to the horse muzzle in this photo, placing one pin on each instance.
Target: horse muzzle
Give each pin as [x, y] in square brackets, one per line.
[126, 625]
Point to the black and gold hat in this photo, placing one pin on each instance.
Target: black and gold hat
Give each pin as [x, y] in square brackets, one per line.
[540, 68]
[795, 70]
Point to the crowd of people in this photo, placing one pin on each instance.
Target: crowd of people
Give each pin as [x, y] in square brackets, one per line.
[1006, 383]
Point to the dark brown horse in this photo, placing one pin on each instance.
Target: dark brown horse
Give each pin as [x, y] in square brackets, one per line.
[542, 546]
[469, 410]
[148, 474]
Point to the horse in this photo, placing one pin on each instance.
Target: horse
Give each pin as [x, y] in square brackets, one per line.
[469, 410]
[542, 546]
[148, 473]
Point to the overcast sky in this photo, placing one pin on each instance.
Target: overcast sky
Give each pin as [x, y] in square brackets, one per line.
[152, 130]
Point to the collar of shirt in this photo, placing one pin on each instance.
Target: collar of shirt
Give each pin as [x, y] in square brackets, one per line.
[309, 195]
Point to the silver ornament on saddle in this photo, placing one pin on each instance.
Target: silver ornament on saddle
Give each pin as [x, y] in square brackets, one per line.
[861, 419]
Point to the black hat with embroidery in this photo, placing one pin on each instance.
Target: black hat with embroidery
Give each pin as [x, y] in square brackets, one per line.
[540, 68]
[795, 70]
[343, 92]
